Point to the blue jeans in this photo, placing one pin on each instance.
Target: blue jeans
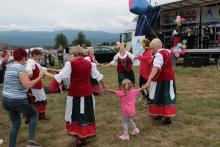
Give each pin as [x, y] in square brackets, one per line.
[14, 108]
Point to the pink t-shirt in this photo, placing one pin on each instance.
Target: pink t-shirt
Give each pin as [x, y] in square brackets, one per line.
[128, 102]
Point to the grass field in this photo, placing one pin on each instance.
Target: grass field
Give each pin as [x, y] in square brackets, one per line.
[197, 123]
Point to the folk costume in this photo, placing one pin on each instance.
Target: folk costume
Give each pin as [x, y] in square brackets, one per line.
[37, 94]
[207, 32]
[146, 61]
[94, 82]
[176, 37]
[124, 66]
[163, 88]
[80, 103]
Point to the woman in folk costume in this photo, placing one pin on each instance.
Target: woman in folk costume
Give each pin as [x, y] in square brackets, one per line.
[124, 61]
[91, 58]
[162, 84]
[37, 94]
[80, 104]
[146, 60]
[176, 36]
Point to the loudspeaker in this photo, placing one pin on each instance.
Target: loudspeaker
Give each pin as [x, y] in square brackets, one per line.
[196, 61]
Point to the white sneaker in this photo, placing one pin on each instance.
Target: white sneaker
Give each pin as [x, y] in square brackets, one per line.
[124, 137]
[1, 141]
[135, 132]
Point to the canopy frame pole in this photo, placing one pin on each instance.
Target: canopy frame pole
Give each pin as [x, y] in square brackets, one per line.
[200, 28]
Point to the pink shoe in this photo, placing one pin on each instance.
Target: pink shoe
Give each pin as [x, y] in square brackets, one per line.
[135, 132]
[124, 137]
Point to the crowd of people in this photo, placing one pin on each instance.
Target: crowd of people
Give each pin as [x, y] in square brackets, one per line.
[23, 91]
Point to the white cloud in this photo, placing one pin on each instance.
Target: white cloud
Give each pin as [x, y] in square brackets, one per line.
[49, 15]
[110, 25]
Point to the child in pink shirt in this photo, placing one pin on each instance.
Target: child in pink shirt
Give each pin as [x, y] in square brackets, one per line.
[128, 98]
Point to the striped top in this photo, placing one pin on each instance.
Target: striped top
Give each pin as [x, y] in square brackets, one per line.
[12, 84]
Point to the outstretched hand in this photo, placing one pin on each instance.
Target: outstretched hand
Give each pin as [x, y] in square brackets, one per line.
[53, 70]
[147, 85]
[103, 84]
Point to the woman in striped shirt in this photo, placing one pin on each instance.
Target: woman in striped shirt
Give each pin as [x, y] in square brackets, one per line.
[16, 83]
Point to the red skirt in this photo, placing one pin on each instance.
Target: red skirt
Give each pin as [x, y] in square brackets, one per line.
[83, 132]
[161, 110]
[40, 106]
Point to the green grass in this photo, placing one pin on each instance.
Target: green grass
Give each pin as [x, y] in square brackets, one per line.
[197, 123]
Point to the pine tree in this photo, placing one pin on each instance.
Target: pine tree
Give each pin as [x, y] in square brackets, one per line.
[81, 40]
[61, 40]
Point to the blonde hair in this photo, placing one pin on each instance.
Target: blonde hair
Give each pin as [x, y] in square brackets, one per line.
[90, 49]
[146, 43]
[156, 43]
[126, 86]
[77, 51]
[123, 44]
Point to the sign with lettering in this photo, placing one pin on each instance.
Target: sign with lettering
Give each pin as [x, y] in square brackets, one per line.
[191, 15]
[211, 14]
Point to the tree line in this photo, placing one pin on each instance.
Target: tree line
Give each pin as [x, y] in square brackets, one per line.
[61, 40]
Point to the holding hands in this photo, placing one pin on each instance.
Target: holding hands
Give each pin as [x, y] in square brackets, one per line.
[147, 85]
[42, 75]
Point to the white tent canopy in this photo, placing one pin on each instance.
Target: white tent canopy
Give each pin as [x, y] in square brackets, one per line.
[187, 3]
[39, 48]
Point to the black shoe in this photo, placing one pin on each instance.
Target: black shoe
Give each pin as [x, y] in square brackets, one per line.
[84, 142]
[96, 94]
[146, 103]
[166, 121]
[32, 143]
[157, 118]
[42, 116]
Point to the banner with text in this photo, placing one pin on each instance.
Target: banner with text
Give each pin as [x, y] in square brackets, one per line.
[191, 15]
[211, 14]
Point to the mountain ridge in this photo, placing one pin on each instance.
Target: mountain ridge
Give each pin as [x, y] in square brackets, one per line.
[46, 38]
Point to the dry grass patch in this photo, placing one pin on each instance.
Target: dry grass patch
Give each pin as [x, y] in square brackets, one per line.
[197, 123]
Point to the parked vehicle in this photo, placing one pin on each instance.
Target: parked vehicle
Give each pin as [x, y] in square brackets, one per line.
[85, 50]
[104, 54]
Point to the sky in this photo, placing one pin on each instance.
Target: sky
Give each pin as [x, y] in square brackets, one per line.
[50, 15]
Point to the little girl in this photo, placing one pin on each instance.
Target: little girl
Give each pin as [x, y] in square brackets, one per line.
[128, 98]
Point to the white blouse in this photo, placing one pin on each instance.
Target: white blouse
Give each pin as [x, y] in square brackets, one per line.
[67, 70]
[115, 59]
[175, 33]
[38, 93]
[88, 59]
[30, 65]
[158, 59]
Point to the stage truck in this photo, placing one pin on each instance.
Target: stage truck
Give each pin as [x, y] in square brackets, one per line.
[198, 14]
